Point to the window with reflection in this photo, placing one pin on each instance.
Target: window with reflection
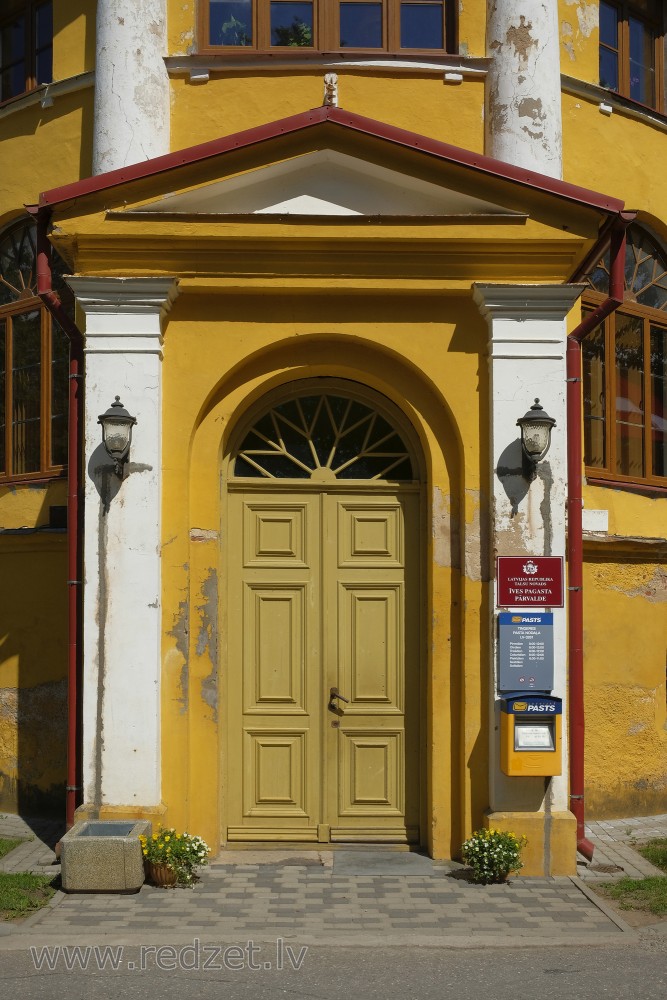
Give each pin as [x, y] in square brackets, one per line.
[328, 25]
[34, 362]
[26, 46]
[625, 370]
[631, 49]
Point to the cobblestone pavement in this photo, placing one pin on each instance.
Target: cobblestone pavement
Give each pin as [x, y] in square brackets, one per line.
[614, 855]
[320, 896]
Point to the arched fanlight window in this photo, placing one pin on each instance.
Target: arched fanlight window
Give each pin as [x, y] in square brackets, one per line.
[324, 436]
[625, 369]
[645, 271]
[34, 354]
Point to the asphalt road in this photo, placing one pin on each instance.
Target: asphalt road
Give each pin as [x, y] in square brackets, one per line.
[637, 971]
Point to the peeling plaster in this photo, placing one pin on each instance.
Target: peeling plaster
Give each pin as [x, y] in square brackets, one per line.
[208, 639]
[566, 39]
[203, 535]
[520, 37]
[181, 633]
[476, 540]
[445, 531]
[498, 114]
[634, 581]
[588, 18]
[546, 475]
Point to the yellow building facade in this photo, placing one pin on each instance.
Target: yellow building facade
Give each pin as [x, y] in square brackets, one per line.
[327, 255]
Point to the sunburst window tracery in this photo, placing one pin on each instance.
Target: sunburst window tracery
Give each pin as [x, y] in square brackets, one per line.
[323, 437]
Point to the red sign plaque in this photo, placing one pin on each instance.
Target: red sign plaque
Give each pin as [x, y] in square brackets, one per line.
[529, 581]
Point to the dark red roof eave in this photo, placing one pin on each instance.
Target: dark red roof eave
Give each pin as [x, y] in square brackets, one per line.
[358, 123]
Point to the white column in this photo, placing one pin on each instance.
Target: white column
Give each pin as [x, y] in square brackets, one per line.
[523, 97]
[131, 83]
[121, 603]
[527, 359]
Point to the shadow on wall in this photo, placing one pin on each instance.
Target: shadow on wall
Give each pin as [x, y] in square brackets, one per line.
[33, 666]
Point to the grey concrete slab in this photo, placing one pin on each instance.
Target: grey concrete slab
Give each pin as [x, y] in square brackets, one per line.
[381, 863]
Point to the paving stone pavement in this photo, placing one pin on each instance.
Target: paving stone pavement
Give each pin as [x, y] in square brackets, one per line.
[614, 856]
[300, 896]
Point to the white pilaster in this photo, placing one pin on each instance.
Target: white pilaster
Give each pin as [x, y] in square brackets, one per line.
[527, 347]
[131, 83]
[523, 98]
[121, 604]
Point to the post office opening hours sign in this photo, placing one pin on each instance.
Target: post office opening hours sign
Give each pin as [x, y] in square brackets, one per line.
[530, 581]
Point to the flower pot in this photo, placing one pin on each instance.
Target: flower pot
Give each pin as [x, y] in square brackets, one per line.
[160, 874]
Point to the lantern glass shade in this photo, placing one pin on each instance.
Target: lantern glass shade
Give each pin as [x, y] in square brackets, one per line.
[536, 439]
[536, 427]
[116, 437]
[117, 426]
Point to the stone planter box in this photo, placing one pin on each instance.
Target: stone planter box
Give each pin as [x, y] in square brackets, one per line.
[103, 856]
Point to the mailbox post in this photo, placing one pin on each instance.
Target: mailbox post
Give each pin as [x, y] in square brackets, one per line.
[530, 734]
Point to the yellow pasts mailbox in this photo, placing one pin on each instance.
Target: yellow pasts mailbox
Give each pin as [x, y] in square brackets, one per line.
[531, 734]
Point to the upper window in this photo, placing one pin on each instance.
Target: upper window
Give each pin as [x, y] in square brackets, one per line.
[327, 25]
[34, 354]
[631, 49]
[26, 46]
[625, 370]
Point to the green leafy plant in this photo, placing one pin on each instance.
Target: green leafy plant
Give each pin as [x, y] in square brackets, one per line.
[493, 855]
[181, 852]
[233, 32]
[297, 34]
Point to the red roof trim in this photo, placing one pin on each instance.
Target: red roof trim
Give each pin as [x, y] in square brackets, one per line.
[368, 126]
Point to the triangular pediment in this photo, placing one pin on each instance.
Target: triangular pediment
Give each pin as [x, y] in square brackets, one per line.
[323, 182]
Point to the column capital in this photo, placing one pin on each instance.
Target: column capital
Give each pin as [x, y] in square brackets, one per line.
[525, 302]
[124, 315]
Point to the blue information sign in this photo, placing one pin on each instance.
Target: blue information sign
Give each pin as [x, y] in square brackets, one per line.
[526, 649]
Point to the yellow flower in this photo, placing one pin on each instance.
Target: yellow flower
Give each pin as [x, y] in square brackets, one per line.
[145, 851]
[155, 836]
[167, 839]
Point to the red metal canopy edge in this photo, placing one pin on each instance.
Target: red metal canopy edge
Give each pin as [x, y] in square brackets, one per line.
[357, 123]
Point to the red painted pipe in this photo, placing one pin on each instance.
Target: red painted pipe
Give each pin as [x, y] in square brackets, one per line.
[74, 494]
[575, 544]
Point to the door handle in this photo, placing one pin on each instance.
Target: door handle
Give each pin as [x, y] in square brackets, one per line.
[333, 693]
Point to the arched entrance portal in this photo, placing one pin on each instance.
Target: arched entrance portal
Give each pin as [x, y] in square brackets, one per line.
[324, 619]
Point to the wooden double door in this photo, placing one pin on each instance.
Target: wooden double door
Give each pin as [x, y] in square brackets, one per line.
[323, 665]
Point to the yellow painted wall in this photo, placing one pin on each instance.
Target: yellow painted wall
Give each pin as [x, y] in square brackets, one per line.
[41, 148]
[33, 689]
[625, 698]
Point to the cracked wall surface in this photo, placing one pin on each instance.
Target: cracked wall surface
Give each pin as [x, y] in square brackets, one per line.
[132, 91]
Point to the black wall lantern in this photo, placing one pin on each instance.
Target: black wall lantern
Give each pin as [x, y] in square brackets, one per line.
[117, 426]
[535, 427]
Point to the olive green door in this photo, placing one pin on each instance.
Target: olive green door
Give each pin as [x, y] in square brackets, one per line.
[323, 660]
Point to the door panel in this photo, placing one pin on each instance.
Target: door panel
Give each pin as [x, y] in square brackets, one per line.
[274, 699]
[372, 641]
[323, 596]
